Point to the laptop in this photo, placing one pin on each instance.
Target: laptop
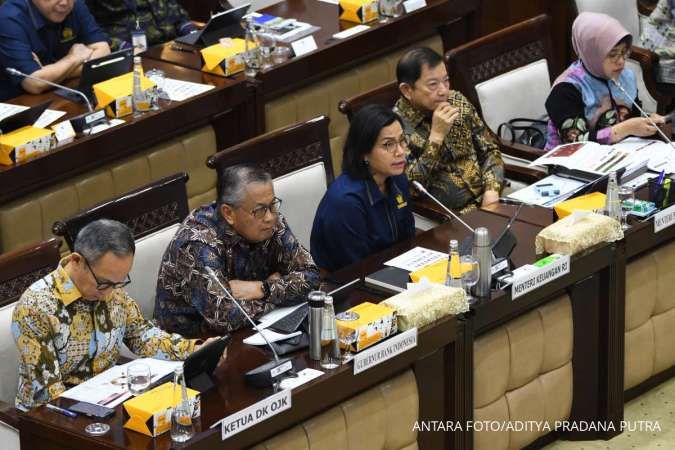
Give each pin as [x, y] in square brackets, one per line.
[98, 70]
[223, 24]
[23, 118]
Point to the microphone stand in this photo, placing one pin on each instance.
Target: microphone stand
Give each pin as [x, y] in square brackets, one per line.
[644, 114]
[12, 71]
[422, 189]
[266, 374]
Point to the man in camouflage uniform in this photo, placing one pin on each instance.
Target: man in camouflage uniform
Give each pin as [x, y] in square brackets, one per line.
[452, 152]
[161, 20]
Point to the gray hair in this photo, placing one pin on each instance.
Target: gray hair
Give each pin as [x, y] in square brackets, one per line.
[102, 236]
[233, 181]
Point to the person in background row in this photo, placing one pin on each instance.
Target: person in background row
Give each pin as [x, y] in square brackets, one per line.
[71, 324]
[49, 39]
[366, 208]
[658, 35]
[247, 242]
[159, 20]
[452, 152]
[585, 103]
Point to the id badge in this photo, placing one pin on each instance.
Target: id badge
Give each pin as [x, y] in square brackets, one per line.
[139, 41]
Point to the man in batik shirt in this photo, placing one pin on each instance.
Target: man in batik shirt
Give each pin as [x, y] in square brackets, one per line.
[452, 152]
[70, 325]
[160, 20]
[245, 240]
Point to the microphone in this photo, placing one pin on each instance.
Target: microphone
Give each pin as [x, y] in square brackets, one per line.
[510, 201]
[87, 120]
[268, 373]
[644, 114]
[13, 71]
[423, 190]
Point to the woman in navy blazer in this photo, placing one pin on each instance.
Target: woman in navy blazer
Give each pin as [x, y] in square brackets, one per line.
[366, 208]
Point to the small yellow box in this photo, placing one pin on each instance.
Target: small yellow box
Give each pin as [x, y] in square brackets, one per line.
[588, 202]
[23, 144]
[358, 11]
[225, 58]
[115, 94]
[375, 323]
[150, 413]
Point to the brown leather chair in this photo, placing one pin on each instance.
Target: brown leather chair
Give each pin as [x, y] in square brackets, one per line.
[18, 270]
[144, 210]
[299, 160]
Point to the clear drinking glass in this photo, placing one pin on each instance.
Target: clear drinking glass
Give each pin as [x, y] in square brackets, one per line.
[470, 273]
[347, 338]
[389, 9]
[160, 98]
[626, 200]
[182, 427]
[138, 377]
[267, 42]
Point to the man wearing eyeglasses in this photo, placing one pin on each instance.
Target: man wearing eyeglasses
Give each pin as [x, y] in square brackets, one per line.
[70, 325]
[247, 242]
[452, 152]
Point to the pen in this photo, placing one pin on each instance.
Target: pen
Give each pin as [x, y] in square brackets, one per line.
[111, 398]
[182, 49]
[64, 411]
[659, 180]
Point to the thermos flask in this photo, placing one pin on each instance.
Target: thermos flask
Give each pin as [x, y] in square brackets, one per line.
[482, 251]
[316, 301]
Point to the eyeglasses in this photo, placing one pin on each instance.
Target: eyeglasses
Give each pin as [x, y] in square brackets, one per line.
[615, 55]
[390, 145]
[260, 212]
[103, 285]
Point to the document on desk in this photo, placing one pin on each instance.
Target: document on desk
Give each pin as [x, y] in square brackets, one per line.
[109, 388]
[555, 187]
[8, 109]
[277, 314]
[350, 31]
[271, 336]
[416, 258]
[46, 119]
[180, 90]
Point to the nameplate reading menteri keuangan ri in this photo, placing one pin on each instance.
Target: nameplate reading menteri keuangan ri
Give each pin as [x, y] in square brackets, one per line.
[531, 276]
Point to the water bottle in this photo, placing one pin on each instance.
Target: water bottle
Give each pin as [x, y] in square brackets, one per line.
[182, 427]
[453, 277]
[612, 204]
[315, 299]
[252, 55]
[138, 97]
[482, 251]
[330, 351]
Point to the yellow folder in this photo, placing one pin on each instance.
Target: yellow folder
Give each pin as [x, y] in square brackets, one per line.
[588, 202]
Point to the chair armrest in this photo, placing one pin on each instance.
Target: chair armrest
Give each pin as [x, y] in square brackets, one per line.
[9, 415]
[648, 61]
[427, 208]
[520, 150]
[523, 174]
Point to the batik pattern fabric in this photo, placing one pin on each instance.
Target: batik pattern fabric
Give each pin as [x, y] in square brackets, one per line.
[162, 20]
[64, 339]
[464, 166]
[190, 302]
[583, 107]
[658, 35]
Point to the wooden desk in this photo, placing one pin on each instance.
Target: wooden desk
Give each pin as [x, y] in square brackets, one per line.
[336, 55]
[431, 361]
[230, 108]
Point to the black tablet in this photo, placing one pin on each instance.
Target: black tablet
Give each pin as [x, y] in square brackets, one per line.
[199, 366]
[23, 118]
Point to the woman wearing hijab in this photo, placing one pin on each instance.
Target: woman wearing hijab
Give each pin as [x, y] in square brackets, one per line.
[585, 103]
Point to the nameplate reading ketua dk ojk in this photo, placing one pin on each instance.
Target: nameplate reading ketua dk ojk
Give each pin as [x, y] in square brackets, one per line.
[254, 414]
[386, 350]
[664, 219]
[532, 276]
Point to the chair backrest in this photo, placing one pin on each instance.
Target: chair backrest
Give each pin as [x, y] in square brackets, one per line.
[506, 74]
[18, 270]
[299, 160]
[144, 210]
[385, 95]
[625, 11]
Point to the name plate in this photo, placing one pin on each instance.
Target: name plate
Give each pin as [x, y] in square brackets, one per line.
[414, 5]
[531, 277]
[385, 350]
[254, 414]
[304, 46]
[664, 219]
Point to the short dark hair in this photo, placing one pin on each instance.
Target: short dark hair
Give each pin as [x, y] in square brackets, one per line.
[102, 236]
[364, 129]
[409, 67]
[232, 182]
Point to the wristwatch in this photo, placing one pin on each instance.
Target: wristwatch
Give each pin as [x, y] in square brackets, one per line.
[265, 288]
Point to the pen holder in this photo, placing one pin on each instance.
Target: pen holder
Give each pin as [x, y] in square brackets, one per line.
[663, 195]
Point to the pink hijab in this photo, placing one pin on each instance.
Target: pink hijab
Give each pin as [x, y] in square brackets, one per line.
[593, 36]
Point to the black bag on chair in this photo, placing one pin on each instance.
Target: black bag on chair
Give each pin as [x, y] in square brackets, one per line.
[530, 132]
